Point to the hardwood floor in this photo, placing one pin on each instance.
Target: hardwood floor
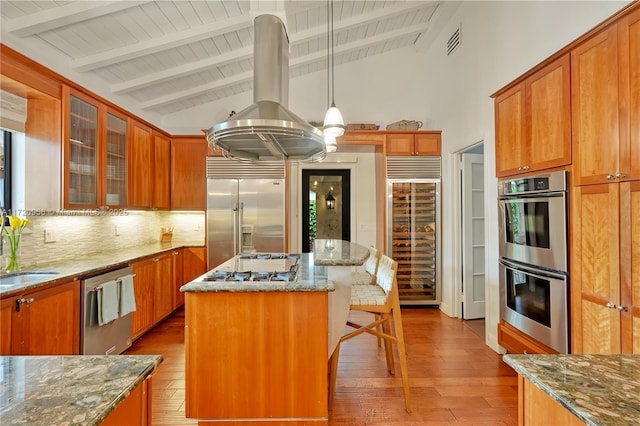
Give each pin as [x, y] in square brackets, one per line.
[455, 378]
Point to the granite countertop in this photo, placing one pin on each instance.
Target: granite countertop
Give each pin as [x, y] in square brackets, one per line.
[68, 390]
[312, 270]
[308, 278]
[92, 264]
[600, 390]
[339, 253]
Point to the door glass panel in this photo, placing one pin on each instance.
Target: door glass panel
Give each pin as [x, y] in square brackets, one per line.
[116, 161]
[529, 296]
[83, 142]
[413, 216]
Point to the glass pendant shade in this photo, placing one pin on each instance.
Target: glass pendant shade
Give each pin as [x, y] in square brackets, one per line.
[330, 143]
[333, 122]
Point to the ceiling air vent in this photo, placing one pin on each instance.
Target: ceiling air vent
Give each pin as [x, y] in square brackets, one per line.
[453, 42]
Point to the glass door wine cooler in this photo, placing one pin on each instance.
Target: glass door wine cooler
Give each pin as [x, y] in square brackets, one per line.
[413, 238]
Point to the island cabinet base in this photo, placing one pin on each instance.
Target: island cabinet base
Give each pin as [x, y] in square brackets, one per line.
[256, 357]
[536, 408]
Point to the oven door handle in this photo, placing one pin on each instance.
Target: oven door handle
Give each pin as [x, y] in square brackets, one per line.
[529, 270]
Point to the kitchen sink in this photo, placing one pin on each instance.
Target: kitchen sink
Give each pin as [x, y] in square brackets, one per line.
[23, 277]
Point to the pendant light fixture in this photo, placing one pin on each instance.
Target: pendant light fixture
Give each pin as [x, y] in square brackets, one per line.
[333, 121]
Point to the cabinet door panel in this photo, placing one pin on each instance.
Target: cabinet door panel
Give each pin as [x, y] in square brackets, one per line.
[549, 118]
[510, 131]
[142, 317]
[629, 34]
[50, 323]
[188, 173]
[595, 268]
[161, 154]
[427, 144]
[400, 144]
[595, 125]
[140, 166]
[6, 312]
[163, 287]
[630, 265]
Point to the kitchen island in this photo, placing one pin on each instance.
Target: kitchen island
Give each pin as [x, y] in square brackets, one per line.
[256, 347]
[597, 390]
[76, 390]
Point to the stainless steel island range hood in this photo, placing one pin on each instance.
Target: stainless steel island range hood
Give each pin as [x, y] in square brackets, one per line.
[267, 130]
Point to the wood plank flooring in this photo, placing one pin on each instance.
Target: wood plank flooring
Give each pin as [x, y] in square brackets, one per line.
[455, 378]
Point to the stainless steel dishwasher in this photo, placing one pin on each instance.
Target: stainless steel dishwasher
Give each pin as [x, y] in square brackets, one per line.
[112, 338]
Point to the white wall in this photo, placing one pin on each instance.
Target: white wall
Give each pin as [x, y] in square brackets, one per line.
[500, 41]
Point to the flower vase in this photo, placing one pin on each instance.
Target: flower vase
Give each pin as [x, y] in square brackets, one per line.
[13, 264]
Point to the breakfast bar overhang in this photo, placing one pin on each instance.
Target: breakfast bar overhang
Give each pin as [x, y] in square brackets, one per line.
[256, 350]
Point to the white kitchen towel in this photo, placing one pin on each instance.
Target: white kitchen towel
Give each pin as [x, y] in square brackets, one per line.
[127, 297]
[107, 302]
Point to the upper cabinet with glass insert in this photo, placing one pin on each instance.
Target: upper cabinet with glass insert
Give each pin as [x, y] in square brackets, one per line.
[95, 154]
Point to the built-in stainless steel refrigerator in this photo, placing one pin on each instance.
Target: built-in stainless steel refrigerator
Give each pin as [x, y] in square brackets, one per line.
[245, 208]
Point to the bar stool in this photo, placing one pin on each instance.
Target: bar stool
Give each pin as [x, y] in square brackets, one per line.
[383, 301]
[368, 276]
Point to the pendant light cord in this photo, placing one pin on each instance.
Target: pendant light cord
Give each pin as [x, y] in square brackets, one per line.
[333, 96]
[328, 55]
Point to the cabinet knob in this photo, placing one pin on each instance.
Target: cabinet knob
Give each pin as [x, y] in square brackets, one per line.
[619, 175]
[610, 305]
[609, 177]
[623, 308]
[155, 259]
[525, 167]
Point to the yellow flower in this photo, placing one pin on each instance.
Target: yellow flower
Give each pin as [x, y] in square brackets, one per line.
[17, 223]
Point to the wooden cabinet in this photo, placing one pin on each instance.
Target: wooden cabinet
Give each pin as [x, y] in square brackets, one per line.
[135, 410]
[533, 121]
[42, 322]
[194, 264]
[140, 166]
[409, 143]
[267, 352]
[535, 407]
[516, 342]
[605, 268]
[143, 286]
[605, 83]
[161, 172]
[188, 173]
[95, 152]
[153, 286]
[163, 285]
[6, 324]
[149, 168]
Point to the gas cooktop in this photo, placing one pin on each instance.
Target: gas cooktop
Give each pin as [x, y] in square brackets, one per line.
[257, 267]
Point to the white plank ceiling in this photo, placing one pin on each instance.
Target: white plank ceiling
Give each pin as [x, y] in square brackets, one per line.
[166, 56]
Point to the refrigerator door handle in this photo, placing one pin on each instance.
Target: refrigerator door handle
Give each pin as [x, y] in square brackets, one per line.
[240, 222]
[235, 228]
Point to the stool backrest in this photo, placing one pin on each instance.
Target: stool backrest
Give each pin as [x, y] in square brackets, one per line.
[371, 264]
[386, 273]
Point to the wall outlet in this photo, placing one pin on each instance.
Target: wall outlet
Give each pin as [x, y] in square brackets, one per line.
[196, 226]
[49, 236]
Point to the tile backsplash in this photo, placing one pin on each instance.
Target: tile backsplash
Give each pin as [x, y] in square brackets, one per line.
[83, 234]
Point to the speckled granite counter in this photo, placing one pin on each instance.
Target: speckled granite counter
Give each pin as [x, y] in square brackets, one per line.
[308, 278]
[68, 390]
[92, 264]
[339, 253]
[600, 390]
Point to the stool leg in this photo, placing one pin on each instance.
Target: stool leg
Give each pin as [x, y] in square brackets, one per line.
[397, 320]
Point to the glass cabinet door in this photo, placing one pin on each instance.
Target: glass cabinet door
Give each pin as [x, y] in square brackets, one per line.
[83, 158]
[116, 173]
[412, 211]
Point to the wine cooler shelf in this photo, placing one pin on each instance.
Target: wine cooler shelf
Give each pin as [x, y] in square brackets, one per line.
[413, 240]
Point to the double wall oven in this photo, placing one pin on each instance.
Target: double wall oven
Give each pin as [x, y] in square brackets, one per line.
[533, 257]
